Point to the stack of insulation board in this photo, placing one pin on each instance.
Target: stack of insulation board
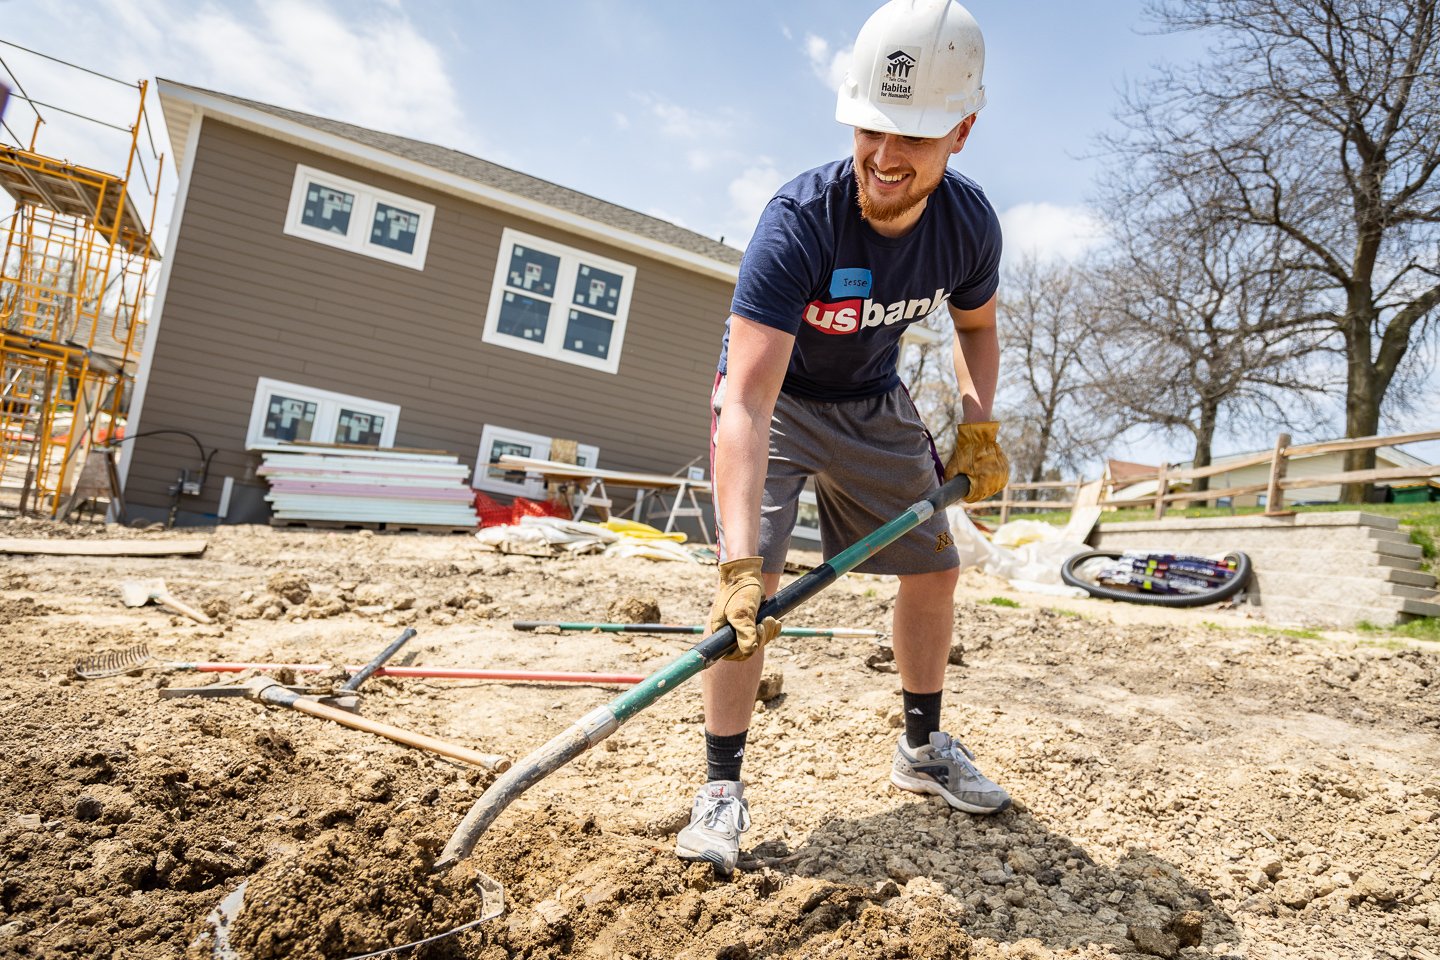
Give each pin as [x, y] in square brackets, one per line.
[368, 485]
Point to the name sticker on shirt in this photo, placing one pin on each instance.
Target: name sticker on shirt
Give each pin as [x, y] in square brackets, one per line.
[849, 282]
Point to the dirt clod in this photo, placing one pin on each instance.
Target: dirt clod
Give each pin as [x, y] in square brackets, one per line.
[634, 610]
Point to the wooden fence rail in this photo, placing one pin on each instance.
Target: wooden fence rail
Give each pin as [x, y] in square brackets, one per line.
[1274, 488]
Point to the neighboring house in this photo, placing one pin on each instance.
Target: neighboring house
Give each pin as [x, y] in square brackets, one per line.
[1126, 481]
[1309, 466]
[329, 283]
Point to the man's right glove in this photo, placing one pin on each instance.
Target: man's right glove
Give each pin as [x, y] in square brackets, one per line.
[736, 603]
[978, 456]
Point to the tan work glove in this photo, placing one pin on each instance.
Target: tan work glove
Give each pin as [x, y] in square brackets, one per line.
[736, 603]
[978, 456]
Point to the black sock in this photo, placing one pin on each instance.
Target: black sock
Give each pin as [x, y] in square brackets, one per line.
[723, 755]
[922, 716]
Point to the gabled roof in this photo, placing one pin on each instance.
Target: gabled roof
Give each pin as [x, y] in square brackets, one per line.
[451, 171]
[1121, 471]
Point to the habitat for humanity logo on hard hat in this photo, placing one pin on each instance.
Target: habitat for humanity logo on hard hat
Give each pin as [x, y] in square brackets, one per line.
[896, 85]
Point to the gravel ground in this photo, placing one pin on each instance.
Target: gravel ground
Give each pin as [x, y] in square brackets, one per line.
[1186, 785]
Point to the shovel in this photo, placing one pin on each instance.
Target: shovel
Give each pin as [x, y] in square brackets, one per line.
[137, 593]
[603, 721]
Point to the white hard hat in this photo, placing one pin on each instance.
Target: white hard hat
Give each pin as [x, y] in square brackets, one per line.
[916, 70]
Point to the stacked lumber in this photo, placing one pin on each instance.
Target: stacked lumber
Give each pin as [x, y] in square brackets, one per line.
[367, 486]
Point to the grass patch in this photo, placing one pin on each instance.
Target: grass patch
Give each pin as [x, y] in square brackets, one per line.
[1287, 632]
[1001, 602]
[1062, 612]
[1426, 628]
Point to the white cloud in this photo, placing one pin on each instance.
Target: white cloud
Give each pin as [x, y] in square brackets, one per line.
[749, 192]
[1048, 231]
[374, 70]
[365, 64]
[828, 64]
[686, 123]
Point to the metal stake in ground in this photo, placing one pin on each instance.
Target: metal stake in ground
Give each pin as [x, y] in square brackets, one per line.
[603, 721]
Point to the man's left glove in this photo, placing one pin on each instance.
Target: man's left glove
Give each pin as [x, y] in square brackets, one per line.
[978, 456]
[736, 603]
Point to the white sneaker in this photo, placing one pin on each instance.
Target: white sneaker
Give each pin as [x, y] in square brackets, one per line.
[943, 768]
[717, 818]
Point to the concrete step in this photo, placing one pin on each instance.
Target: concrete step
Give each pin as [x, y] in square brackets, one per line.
[1346, 518]
[1249, 538]
[1414, 609]
[1410, 551]
[1341, 563]
[1382, 611]
[1413, 578]
[1386, 536]
[1347, 589]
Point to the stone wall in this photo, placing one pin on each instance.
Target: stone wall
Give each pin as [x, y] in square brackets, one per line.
[1319, 569]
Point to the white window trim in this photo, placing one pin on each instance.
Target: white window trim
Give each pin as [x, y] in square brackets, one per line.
[327, 413]
[357, 239]
[570, 261]
[532, 486]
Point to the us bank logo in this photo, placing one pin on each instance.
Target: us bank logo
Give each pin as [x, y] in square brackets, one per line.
[896, 85]
[848, 307]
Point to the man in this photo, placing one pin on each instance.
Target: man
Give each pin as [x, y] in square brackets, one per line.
[843, 258]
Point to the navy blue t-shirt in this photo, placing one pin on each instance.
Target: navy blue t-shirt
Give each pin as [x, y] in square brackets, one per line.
[816, 269]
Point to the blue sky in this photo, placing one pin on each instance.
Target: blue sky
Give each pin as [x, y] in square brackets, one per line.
[690, 112]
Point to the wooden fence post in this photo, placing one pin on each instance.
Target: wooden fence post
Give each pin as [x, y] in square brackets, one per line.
[1005, 504]
[1275, 496]
[1162, 487]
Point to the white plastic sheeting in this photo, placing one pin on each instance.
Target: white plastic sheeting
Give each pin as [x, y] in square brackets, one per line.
[1027, 553]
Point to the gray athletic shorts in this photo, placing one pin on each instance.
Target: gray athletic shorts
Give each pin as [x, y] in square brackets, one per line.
[870, 460]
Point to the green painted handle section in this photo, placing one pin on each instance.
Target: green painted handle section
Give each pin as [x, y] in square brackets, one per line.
[715, 646]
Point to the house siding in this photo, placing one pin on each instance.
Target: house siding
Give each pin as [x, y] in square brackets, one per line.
[244, 300]
[1296, 468]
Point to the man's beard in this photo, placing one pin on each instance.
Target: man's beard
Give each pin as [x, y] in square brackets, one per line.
[885, 211]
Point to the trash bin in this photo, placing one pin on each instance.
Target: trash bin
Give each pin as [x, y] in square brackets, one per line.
[1411, 493]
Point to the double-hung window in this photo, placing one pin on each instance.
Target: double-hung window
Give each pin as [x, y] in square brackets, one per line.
[341, 213]
[292, 413]
[555, 301]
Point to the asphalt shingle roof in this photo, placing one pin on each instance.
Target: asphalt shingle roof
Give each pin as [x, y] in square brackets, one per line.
[501, 178]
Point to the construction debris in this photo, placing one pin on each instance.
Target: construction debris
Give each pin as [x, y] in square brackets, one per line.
[94, 547]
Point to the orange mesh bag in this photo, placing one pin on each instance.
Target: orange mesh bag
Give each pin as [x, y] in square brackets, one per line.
[491, 512]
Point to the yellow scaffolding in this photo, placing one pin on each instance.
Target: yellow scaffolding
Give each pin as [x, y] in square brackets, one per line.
[73, 299]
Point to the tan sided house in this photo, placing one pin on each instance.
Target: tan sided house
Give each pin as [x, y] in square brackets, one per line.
[328, 283]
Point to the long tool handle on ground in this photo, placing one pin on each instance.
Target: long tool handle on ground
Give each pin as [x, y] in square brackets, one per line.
[603, 721]
[365, 672]
[267, 690]
[683, 628]
[438, 673]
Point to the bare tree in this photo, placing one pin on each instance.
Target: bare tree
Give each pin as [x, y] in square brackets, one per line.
[1047, 321]
[1322, 117]
[1204, 324]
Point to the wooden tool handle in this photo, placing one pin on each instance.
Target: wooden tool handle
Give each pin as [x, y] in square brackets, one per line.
[489, 761]
[184, 608]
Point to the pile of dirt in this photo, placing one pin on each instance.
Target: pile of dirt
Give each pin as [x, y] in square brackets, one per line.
[1181, 790]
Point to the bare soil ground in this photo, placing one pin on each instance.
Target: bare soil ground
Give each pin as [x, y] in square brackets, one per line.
[1183, 789]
